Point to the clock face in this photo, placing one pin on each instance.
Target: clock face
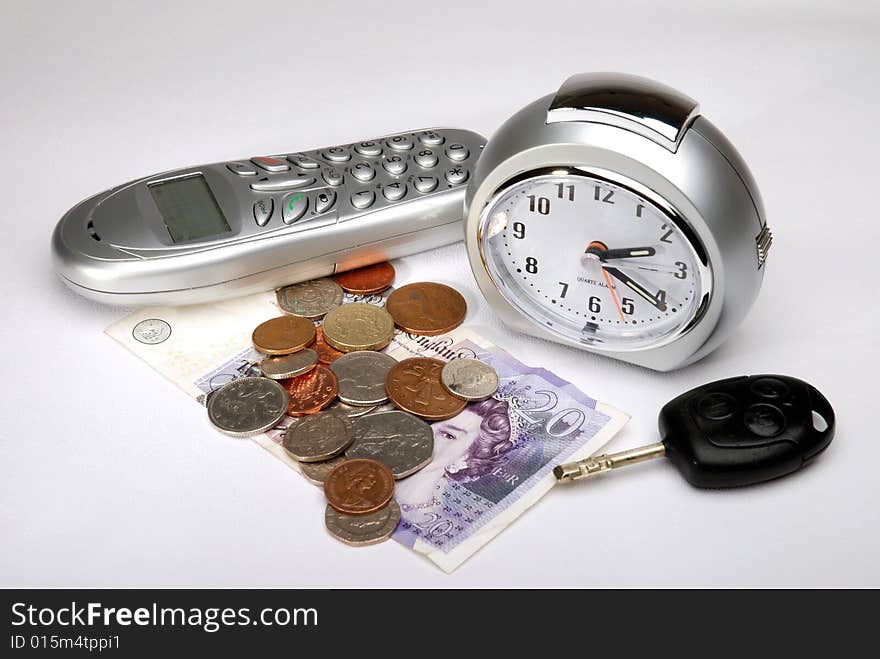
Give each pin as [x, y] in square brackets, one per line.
[594, 261]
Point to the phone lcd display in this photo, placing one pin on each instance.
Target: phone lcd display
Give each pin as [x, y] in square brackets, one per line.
[189, 208]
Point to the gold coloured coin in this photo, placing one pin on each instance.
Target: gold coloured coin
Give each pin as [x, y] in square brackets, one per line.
[283, 335]
[358, 326]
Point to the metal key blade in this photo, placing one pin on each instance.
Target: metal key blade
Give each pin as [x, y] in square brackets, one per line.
[599, 464]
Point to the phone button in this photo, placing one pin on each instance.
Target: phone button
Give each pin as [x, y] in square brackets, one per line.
[394, 191]
[241, 168]
[324, 200]
[363, 199]
[394, 165]
[294, 207]
[263, 209]
[457, 151]
[271, 164]
[399, 143]
[363, 171]
[426, 158]
[425, 184]
[337, 154]
[430, 138]
[281, 183]
[304, 162]
[332, 177]
[369, 148]
[456, 175]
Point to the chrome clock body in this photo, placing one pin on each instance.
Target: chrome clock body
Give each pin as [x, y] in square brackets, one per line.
[611, 163]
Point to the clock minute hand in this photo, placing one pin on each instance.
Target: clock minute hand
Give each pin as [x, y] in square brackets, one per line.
[637, 287]
[620, 252]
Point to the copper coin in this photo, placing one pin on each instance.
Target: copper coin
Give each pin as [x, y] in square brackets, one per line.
[426, 308]
[326, 353]
[414, 386]
[359, 486]
[364, 281]
[311, 392]
[283, 335]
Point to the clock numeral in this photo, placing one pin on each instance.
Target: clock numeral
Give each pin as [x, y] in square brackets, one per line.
[603, 195]
[639, 210]
[560, 191]
[541, 204]
[519, 230]
[661, 300]
[665, 237]
[595, 304]
[532, 265]
[627, 306]
[682, 270]
[564, 289]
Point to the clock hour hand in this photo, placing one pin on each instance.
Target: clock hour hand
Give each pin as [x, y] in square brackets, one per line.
[658, 300]
[605, 254]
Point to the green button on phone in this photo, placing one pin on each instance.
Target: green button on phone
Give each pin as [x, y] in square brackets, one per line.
[294, 207]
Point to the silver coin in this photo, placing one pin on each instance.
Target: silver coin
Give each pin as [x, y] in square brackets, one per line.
[151, 331]
[350, 411]
[247, 406]
[316, 472]
[288, 366]
[361, 377]
[469, 379]
[403, 442]
[310, 299]
[362, 530]
[319, 437]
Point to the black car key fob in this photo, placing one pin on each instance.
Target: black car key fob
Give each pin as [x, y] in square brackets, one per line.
[733, 432]
[745, 430]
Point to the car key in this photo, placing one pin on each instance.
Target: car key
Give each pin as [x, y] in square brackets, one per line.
[733, 432]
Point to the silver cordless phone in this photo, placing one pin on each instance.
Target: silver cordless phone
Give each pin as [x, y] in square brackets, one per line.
[231, 228]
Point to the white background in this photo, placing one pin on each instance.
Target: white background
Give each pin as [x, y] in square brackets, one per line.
[111, 476]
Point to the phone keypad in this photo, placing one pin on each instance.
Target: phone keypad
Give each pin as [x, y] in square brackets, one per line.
[339, 183]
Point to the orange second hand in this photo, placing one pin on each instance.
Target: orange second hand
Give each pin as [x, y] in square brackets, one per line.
[613, 293]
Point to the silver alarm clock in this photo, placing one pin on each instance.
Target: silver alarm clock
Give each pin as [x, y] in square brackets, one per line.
[613, 217]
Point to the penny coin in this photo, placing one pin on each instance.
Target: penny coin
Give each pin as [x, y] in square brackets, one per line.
[283, 335]
[402, 442]
[326, 353]
[426, 308]
[316, 472]
[414, 386]
[363, 530]
[358, 487]
[311, 392]
[361, 375]
[288, 366]
[247, 406]
[358, 326]
[368, 280]
[318, 437]
[469, 379]
[310, 299]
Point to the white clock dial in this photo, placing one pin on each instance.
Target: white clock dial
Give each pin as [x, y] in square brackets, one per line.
[592, 260]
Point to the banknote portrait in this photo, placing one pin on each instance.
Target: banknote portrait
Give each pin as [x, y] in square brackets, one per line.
[466, 447]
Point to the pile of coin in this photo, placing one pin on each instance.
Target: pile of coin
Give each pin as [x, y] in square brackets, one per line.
[334, 382]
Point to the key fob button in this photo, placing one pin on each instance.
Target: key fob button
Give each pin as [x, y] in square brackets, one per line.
[770, 388]
[764, 420]
[716, 406]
